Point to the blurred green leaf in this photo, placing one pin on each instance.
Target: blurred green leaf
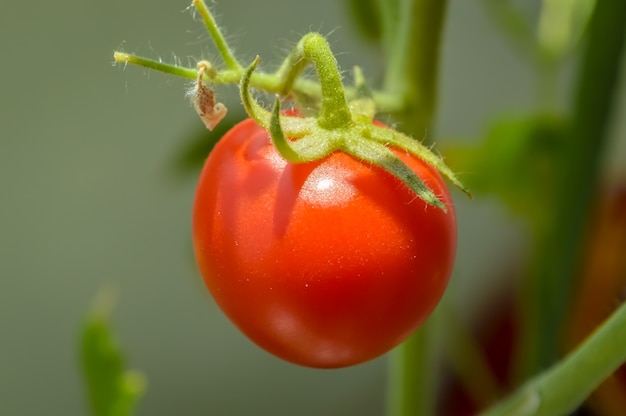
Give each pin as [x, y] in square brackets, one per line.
[517, 161]
[112, 390]
[196, 146]
[366, 15]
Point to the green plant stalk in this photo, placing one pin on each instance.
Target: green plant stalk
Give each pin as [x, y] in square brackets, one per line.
[411, 375]
[413, 63]
[561, 389]
[389, 22]
[334, 112]
[268, 82]
[560, 246]
[217, 36]
[412, 73]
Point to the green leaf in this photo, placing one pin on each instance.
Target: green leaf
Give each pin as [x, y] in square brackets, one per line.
[517, 161]
[112, 390]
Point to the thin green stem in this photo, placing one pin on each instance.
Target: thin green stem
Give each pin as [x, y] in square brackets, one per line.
[314, 48]
[334, 112]
[414, 63]
[561, 389]
[291, 69]
[389, 22]
[560, 246]
[217, 36]
[126, 58]
[410, 376]
[273, 83]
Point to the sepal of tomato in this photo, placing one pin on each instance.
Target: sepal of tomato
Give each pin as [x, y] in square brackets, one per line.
[340, 126]
[327, 263]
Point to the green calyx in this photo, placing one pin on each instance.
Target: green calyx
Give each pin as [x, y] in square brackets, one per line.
[344, 121]
[340, 125]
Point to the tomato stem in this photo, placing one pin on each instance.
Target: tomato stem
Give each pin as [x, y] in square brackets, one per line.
[314, 48]
[334, 112]
[217, 36]
[410, 375]
[413, 57]
[127, 58]
[562, 388]
[274, 83]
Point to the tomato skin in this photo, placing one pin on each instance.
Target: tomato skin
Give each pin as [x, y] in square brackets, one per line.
[325, 264]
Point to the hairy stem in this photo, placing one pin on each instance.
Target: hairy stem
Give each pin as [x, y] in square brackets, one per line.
[217, 36]
[274, 83]
[314, 48]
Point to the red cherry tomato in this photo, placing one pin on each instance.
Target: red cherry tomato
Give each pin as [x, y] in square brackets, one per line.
[324, 264]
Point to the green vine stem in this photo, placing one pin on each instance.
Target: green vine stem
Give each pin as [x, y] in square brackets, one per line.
[217, 36]
[412, 43]
[314, 48]
[389, 11]
[411, 373]
[561, 389]
[413, 63]
[275, 82]
[559, 247]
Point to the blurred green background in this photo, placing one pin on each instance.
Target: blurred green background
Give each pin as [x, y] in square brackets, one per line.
[89, 198]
